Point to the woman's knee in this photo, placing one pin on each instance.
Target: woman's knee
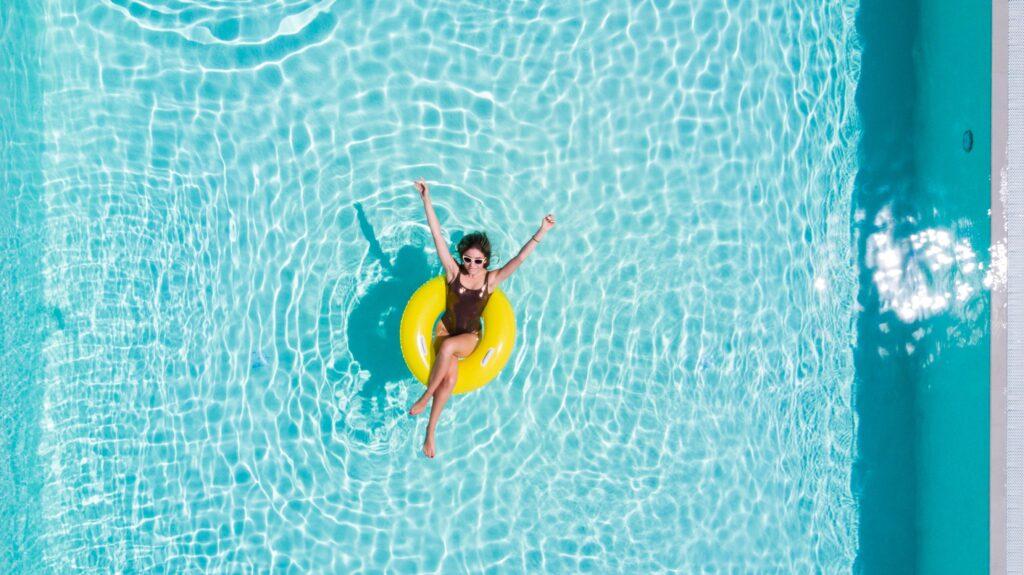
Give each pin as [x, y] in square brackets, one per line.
[446, 386]
[448, 347]
[451, 377]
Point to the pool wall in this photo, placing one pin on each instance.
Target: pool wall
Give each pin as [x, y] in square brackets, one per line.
[953, 66]
[922, 396]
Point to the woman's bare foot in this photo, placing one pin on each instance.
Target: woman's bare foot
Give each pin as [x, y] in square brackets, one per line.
[428, 446]
[418, 407]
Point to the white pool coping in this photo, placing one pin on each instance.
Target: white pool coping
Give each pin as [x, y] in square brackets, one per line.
[1006, 533]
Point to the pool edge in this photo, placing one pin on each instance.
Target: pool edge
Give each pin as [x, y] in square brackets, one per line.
[997, 309]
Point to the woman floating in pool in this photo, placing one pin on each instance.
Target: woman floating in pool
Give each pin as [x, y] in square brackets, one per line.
[470, 285]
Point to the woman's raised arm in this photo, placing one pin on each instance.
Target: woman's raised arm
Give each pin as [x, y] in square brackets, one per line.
[447, 261]
[507, 269]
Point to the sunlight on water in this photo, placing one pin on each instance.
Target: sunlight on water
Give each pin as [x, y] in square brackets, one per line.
[925, 272]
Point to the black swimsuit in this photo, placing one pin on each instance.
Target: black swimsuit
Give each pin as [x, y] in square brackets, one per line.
[463, 307]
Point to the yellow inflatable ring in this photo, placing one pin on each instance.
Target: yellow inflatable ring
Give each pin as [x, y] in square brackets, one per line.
[416, 334]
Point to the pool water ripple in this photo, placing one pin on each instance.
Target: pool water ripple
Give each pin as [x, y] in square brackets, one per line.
[231, 234]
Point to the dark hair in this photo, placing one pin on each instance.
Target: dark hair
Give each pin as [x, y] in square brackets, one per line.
[478, 240]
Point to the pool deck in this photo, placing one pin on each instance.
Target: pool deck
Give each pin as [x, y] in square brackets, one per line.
[1006, 534]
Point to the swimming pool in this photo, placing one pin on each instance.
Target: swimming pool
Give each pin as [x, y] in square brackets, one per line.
[214, 236]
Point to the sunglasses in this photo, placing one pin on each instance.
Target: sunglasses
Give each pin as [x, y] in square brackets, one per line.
[467, 259]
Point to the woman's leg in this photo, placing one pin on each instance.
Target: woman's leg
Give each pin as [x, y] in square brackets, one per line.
[453, 375]
[444, 391]
[461, 346]
[437, 375]
[440, 335]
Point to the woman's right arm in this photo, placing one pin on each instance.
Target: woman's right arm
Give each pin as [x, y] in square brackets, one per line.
[447, 261]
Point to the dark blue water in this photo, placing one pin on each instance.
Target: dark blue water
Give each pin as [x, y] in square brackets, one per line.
[921, 473]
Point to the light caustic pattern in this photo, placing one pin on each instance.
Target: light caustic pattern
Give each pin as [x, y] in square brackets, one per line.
[926, 272]
[232, 235]
[930, 270]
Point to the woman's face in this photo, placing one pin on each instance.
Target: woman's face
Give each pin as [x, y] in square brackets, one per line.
[470, 258]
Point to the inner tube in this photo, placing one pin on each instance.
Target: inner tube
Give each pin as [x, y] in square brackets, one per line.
[416, 335]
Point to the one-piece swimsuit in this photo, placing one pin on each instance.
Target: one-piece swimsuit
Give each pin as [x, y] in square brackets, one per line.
[464, 306]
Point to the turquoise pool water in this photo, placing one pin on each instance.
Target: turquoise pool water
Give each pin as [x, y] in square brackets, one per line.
[214, 233]
[921, 220]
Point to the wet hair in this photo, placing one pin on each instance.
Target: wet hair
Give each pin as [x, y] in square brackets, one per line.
[478, 240]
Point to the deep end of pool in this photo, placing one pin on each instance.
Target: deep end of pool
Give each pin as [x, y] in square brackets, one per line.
[922, 392]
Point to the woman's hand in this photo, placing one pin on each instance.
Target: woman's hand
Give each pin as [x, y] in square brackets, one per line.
[421, 187]
[547, 223]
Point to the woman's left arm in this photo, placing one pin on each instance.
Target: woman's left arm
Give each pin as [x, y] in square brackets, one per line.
[507, 269]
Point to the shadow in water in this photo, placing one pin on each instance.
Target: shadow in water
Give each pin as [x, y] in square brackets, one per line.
[372, 328]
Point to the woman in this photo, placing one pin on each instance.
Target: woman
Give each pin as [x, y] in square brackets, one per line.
[470, 286]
